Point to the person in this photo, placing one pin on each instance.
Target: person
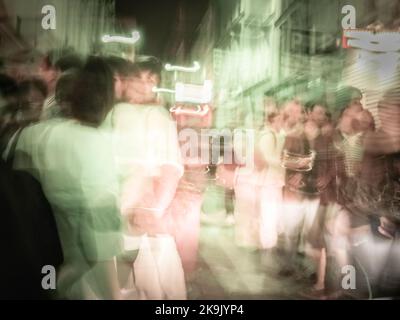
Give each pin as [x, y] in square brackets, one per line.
[32, 94]
[64, 93]
[51, 67]
[185, 209]
[324, 176]
[345, 225]
[148, 165]
[29, 239]
[9, 103]
[271, 146]
[379, 177]
[72, 159]
[122, 69]
[301, 195]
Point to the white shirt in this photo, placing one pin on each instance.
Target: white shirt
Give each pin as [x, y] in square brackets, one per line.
[144, 139]
[75, 167]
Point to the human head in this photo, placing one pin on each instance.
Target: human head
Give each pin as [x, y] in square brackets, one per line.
[122, 70]
[9, 91]
[347, 122]
[146, 75]
[293, 113]
[270, 105]
[274, 120]
[65, 90]
[55, 63]
[318, 113]
[93, 91]
[365, 121]
[33, 92]
[348, 98]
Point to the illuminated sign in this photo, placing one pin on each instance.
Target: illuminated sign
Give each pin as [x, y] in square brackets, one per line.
[195, 68]
[199, 111]
[367, 40]
[194, 93]
[126, 40]
[162, 90]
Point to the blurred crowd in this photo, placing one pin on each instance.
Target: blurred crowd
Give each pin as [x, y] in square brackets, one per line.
[95, 184]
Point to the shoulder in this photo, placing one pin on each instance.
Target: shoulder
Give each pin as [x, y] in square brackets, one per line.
[158, 117]
[124, 108]
[266, 134]
[35, 131]
[158, 111]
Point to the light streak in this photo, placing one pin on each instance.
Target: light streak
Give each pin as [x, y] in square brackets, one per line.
[195, 68]
[119, 39]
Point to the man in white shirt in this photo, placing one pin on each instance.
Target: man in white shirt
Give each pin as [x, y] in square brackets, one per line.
[147, 157]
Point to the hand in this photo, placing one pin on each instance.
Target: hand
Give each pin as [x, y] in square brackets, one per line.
[323, 181]
[145, 221]
[296, 180]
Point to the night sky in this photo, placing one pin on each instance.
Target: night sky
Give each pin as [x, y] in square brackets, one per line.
[157, 21]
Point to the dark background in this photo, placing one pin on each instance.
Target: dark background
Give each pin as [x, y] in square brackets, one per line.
[162, 23]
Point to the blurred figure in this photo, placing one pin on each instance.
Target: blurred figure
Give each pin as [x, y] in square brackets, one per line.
[32, 94]
[185, 209]
[301, 194]
[258, 188]
[72, 159]
[324, 176]
[52, 66]
[9, 104]
[65, 90]
[29, 238]
[149, 168]
[271, 146]
[347, 222]
[380, 198]
[122, 69]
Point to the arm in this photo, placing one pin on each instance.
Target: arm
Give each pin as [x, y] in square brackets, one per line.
[165, 186]
[268, 149]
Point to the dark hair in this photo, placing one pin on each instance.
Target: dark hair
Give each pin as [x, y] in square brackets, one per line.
[65, 90]
[93, 91]
[33, 83]
[62, 59]
[148, 63]
[345, 95]
[309, 106]
[119, 65]
[69, 61]
[271, 116]
[8, 86]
